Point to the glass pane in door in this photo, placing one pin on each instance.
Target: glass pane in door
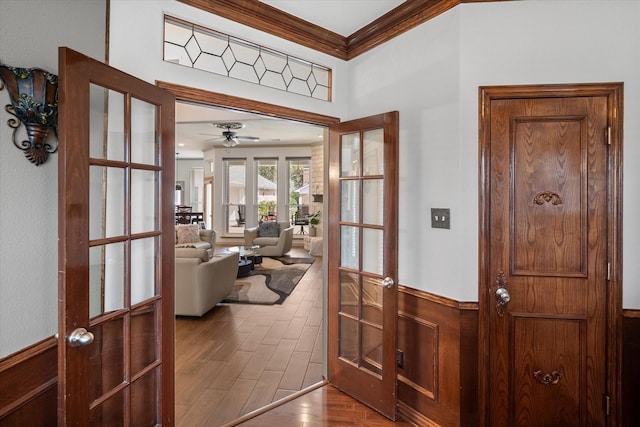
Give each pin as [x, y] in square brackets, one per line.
[144, 186]
[106, 197]
[143, 269]
[106, 278]
[372, 201]
[362, 249]
[350, 155]
[106, 359]
[109, 413]
[372, 251]
[350, 247]
[145, 400]
[106, 123]
[373, 152]
[144, 147]
[350, 206]
[123, 202]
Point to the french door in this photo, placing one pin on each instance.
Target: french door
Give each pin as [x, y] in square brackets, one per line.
[362, 262]
[116, 226]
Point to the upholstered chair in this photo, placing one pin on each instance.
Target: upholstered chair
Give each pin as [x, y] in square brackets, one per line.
[273, 238]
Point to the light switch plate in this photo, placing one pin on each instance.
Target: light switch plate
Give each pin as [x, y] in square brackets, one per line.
[440, 218]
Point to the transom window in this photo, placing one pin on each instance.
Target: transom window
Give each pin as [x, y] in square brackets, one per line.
[209, 50]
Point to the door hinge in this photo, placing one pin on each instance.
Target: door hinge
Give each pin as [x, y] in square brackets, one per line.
[607, 133]
[400, 358]
[607, 405]
[608, 271]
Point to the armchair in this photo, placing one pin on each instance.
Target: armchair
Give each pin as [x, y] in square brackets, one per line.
[272, 246]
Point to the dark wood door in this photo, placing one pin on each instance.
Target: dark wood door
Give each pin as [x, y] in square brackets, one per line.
[116, 228]
[362, 262]
[549, 253]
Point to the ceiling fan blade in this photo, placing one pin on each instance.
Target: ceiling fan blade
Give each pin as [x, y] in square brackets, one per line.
[248, 138]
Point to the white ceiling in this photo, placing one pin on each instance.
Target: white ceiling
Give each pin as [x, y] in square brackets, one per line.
[194, 124]
[195, 130]
[344, 17]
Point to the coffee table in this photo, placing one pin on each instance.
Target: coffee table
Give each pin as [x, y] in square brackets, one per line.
[244, 267]
[248, 258]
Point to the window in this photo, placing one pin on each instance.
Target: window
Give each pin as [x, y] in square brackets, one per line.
[267, 189]
[235, 191]
[203, 48]
[299, 179]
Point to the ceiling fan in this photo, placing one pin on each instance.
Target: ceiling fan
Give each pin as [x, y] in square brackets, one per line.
[229, 137]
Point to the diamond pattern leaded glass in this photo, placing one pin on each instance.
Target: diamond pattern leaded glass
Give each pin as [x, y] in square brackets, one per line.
[209, 50]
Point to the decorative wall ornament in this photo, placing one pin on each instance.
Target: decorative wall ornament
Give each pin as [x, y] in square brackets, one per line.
[34, 103]
[547, 197]
[547, 379]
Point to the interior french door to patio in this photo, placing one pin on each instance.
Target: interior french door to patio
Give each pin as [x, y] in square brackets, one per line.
[116, 228]
[362, 264]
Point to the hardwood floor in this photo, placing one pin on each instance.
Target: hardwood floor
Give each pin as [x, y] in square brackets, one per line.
[325, 406]
[240, 357]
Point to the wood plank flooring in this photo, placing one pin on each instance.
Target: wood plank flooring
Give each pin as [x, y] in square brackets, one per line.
[325, 406]
[239, 357]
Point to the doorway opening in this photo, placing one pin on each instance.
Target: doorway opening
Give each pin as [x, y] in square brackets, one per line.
[210, 99]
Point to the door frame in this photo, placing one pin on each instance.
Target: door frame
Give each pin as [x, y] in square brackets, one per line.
[614, 94]
[208, 207]
[215, 99]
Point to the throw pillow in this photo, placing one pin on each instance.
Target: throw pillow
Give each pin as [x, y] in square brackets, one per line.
[188, 233]
[269, 229]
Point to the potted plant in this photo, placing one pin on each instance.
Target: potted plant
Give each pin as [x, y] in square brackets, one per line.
[314, 220]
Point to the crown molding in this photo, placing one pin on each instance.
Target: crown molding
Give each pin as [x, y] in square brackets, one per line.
[263, 17]
[406, 16]
[269, 19]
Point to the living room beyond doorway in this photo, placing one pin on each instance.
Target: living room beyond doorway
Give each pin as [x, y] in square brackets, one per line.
[238, 358]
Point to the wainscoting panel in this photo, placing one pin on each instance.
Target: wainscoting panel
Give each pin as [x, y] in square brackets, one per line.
[630, 367]
[28, 395]
[438, 338]
[436, 387]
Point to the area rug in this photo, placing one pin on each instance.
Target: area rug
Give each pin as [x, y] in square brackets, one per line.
[270, 282]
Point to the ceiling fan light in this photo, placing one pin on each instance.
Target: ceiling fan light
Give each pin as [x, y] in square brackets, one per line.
[230, 142]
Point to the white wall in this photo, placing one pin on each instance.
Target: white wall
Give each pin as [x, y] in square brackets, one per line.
[183, 173]
[30, 33]
[432, 74]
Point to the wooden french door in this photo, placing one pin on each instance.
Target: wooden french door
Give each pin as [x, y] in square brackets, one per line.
[116, 227]
[550, 235]
[362, 262]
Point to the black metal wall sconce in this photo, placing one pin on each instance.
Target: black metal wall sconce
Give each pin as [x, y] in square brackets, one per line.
[34, 103]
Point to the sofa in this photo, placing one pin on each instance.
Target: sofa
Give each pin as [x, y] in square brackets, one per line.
[201, 280]
[192, 236]
[274, 238]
